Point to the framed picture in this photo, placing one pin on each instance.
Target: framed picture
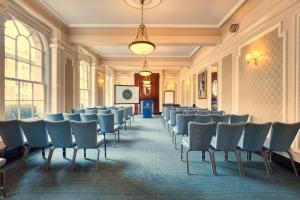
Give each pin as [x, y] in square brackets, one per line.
[169, 97]
[127, 94]
[202, 85]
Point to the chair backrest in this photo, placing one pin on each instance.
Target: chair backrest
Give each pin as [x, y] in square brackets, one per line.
[126, 113]
[282, 135]
[220, 118]
[202, 109]
[173, 114]
[11, 133]
[91, 111]
[202, 118]
[228, 136]
[88, 117]
[54, 117]
[101, 108]
[213, 112]
[106, 122]
[102, 112]
[35, 133]
[167, 113]
[189, 112]
[72, 117]
[254, 136]
[85, 134]
[131, 110]
[78, 110]
[200, 135]
[239, 118]
[203, 112]
[60, 133]
[182, 122]
[118, 116]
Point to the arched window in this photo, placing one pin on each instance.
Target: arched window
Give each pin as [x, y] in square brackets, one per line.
[84, 83]
[24, 81]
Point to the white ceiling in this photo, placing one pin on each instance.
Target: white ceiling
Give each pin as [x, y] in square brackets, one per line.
[160, 51]
[175, 13]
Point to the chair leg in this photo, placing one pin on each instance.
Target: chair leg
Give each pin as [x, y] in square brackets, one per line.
[74, 158]
[118, 135]
[84, 153]
[43, 153]
[187, 162]
[173, 136]
[239, 163]
[181, 152]
[3, 184]
[226, 155]
[115, 137]
[293, 163]
[64, 152]
[97, 164]
[269, 154]
[130, 121]
[203, 155]
[124, 128]
[214, 165]
[51, 150]
[104, 145]
[265, 161]
[175, 142]
[23, 162]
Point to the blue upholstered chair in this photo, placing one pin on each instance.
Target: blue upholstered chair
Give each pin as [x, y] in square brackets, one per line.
[199, 139]
[101, 108]
[202, 109]
[281, 138]
[127, 116]
[213, 112]
[166, 115]
[131, 113]
[220, 118]
[72, 117]
[78, 110]
[11, 135]
[2, 179]
[202, 118]
[119, 118]
[61, 136]
[203, 112]
[228, 136]
[253, 138]
[181, 127]
[54, 117]
[86, 137]
[239, 118]
[107, 126]
[189, 112]
[36, 135]
[104, 112]
[91, 111]
[88, 117]
[172, 121]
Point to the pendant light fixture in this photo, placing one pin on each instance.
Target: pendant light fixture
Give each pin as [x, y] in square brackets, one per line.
[141, 45]
[145, 70]
[147, 81]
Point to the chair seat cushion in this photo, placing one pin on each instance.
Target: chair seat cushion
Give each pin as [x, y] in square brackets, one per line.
[100, 140]
[185, 142]
[2, 162]
[213, 142]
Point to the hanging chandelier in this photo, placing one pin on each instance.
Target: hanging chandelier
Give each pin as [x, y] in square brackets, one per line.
[145, 70]
[147, 81]
[141, 45]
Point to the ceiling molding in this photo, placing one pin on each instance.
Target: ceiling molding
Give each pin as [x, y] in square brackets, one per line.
[58, 16]
[231, 11]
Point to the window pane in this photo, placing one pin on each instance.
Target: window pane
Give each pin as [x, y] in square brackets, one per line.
[10, 29]
[36, 74]
[38, 92]
[23, 48]
[25, 91]
[23, 71]
[11, 90]
[23, 28]
[36, 57]
[10, 47]
[10, 68]
[11, 110]
[38, 108]
[25, 109]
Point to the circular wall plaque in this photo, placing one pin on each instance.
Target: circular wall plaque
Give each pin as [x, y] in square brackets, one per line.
[127, 94]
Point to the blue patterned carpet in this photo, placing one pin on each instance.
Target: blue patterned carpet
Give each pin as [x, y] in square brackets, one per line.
[145, 165]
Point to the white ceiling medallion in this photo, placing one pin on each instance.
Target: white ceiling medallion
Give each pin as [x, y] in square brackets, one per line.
[148, 4]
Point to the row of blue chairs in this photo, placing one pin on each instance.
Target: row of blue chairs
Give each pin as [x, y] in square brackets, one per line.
[237, 137]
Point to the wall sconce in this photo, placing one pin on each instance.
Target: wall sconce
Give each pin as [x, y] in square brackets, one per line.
[253, 57]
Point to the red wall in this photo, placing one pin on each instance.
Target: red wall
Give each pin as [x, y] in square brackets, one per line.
[154, 92]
